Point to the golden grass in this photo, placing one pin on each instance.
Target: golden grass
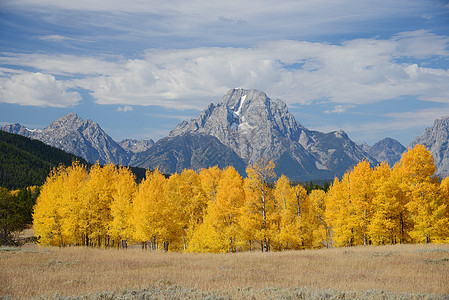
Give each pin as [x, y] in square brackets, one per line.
[33, 271]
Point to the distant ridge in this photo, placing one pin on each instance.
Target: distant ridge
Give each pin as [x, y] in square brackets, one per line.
[240, 129]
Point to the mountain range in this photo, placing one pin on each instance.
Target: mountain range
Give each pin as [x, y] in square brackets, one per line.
[241, 129]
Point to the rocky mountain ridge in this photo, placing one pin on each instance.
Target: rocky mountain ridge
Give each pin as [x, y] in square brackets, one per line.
[240, 129]
[74, 135]
[436, 140]
[255, 126]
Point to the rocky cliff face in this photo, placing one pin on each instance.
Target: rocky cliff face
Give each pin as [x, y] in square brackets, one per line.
[436, 139]
[254, 126]
[74, 135]
[388, 150]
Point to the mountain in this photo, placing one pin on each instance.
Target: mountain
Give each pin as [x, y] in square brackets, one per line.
[136, 146]
[436, 140]
[188, 151]
[26, 162]
[388, 150]
[74, 135]
[241, 129]
[254, 126]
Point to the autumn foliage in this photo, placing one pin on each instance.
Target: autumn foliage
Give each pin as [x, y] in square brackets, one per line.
[217, 210]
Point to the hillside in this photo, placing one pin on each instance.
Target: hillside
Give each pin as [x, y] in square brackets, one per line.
[26, 162]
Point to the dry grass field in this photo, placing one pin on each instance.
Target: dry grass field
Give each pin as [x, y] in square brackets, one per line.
[400, 271]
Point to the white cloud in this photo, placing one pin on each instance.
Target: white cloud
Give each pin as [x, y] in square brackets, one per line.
[224, 22]
[125, 108]
[60, 38]
[355, 72]
[63, 64]
[339, 109]
[36, 89]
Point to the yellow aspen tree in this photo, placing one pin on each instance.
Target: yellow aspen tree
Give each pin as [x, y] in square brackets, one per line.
[97, 198]
[122, 197]
[47, 218]
[206, 238]
[220, 230]
[404, 220]
[74, 179]
[320, 230]
[227, 208]
[421, 187]
[57, 210]
[185, 193]
[340, 213]
[386, 207]
[307, 217]
[259, 201]
[288, 235]
[209, 181]
[153, 215]
[361, 196]
[443, 223]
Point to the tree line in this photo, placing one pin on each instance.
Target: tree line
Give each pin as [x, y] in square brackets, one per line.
[216, 210]
[15, 212]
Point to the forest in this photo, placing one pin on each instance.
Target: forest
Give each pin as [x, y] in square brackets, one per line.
[216, 210]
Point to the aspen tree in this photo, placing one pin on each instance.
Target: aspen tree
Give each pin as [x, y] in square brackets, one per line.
[74, 179]
[421, 188]
[340, 213]
[47, 219]
[288, 235]
[361, 196]
[122, 197]
[383, 228]
[443, 223]
[321, 232]
[153, 215]
[220, 230]
[209, 181]
[259, 202]
[97, 196]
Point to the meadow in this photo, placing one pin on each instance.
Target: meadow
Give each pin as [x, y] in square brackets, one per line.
[376, 272]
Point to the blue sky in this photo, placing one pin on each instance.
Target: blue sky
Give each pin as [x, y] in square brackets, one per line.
[375, 69]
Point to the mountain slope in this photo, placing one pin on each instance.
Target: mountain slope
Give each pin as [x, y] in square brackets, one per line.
[26, 162]
[188, 151]
[436, 139]
[74, 135]
[388, 150]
